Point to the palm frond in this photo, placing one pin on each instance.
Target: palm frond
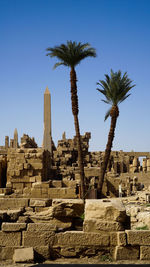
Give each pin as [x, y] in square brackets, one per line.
[72, 53]
[107, 114]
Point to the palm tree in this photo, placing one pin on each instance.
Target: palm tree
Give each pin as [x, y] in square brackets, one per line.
[115, 89]
[70, 55]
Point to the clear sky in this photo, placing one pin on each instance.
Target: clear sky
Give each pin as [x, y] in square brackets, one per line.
[119, 30]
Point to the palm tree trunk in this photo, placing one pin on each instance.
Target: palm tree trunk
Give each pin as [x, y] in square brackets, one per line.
[114, 114]
[75, 111]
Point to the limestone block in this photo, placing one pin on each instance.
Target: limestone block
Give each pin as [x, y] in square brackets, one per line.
[37, 166]
[38, 238]
[145, 253]
[18, 185]
[10, 239]
[12, 203]
[79, 238]
[121, 239]
[41, 227]
[23, 255]
[101, 225]
[103, 209]
[13, 227]
[138, 237]
[67, 208]
[13, 215]
[6, 253]
[56, 183]
[126, 253]
[68, 252]
[40, 202]
[36, 192]
[42, 253]
[113, 239]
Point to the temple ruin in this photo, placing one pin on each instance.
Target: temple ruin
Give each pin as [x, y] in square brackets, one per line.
[41, 214]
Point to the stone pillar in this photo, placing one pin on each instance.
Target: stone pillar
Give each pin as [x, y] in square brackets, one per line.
[148, 165]
[135, 164]
[144, 164]
[6, 141]
[15, 139]
[11, 143]
[47, 139]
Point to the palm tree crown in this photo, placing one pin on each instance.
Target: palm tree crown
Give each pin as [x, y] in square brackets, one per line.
[71, 54]
[115, 89]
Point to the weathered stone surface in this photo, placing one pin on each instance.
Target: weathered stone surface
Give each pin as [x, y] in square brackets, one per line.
[23, 255]
[140, 237]
[6, 253]
[40, 202]
[67, 192]
[113, 239]
[80, 238]
[10, 239]
[126, 253]
[38, 238]
[67, 208]
[41, 227]
[121, 239]
[103, 209]
[13, 215]
[44, 216]
[13, 203]
[42, 253]
[13, 227]
[101, 225]
[145, 253]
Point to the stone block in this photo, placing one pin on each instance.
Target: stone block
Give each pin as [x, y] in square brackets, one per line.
[13, 227]
[113, 239]
[126, 253]
[67, 208]
[6, 253]
[12, 203]
[145, 253]
[105, 209]
[121, 239]
[41, 227]
[23, 255]
[10, 239]
[56, 183]
[101, 225]
[13, 215]
[139, 237]
[42, 253]
[17, 185]
[38, 238]
[40, 202]
[37, 166]
[79, 238]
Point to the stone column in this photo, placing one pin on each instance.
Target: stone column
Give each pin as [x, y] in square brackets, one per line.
[148, 165]
[144, 164]
[6, 141]
[15, 139]
[11, 143]
[47, 139]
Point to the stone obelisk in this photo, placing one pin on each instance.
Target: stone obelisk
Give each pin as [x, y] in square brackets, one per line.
[47, 140]
[15, 145]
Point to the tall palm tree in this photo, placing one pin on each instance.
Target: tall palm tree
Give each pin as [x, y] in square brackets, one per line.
[115, 89]
[70, 55]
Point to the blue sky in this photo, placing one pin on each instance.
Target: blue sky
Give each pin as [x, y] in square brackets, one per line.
[119, 30]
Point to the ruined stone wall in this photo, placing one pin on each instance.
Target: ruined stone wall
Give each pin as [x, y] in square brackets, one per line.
[54, 229]
[25, 167]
